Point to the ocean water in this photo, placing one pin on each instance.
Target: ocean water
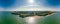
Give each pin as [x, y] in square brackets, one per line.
[7, 18]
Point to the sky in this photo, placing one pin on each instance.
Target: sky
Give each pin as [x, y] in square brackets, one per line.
[12, 4]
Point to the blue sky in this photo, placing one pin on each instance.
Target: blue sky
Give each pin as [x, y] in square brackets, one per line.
[17, 3]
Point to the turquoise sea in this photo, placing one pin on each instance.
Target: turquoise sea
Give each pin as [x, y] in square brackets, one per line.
[7, 18]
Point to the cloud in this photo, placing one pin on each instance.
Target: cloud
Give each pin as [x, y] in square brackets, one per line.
[35, 8]
[1, 9]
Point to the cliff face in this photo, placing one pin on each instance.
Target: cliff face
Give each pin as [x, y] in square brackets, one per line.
[32, 13]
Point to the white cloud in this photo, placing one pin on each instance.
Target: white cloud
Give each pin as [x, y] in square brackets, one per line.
[33, 7]
[28, 8]
[1, 9]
